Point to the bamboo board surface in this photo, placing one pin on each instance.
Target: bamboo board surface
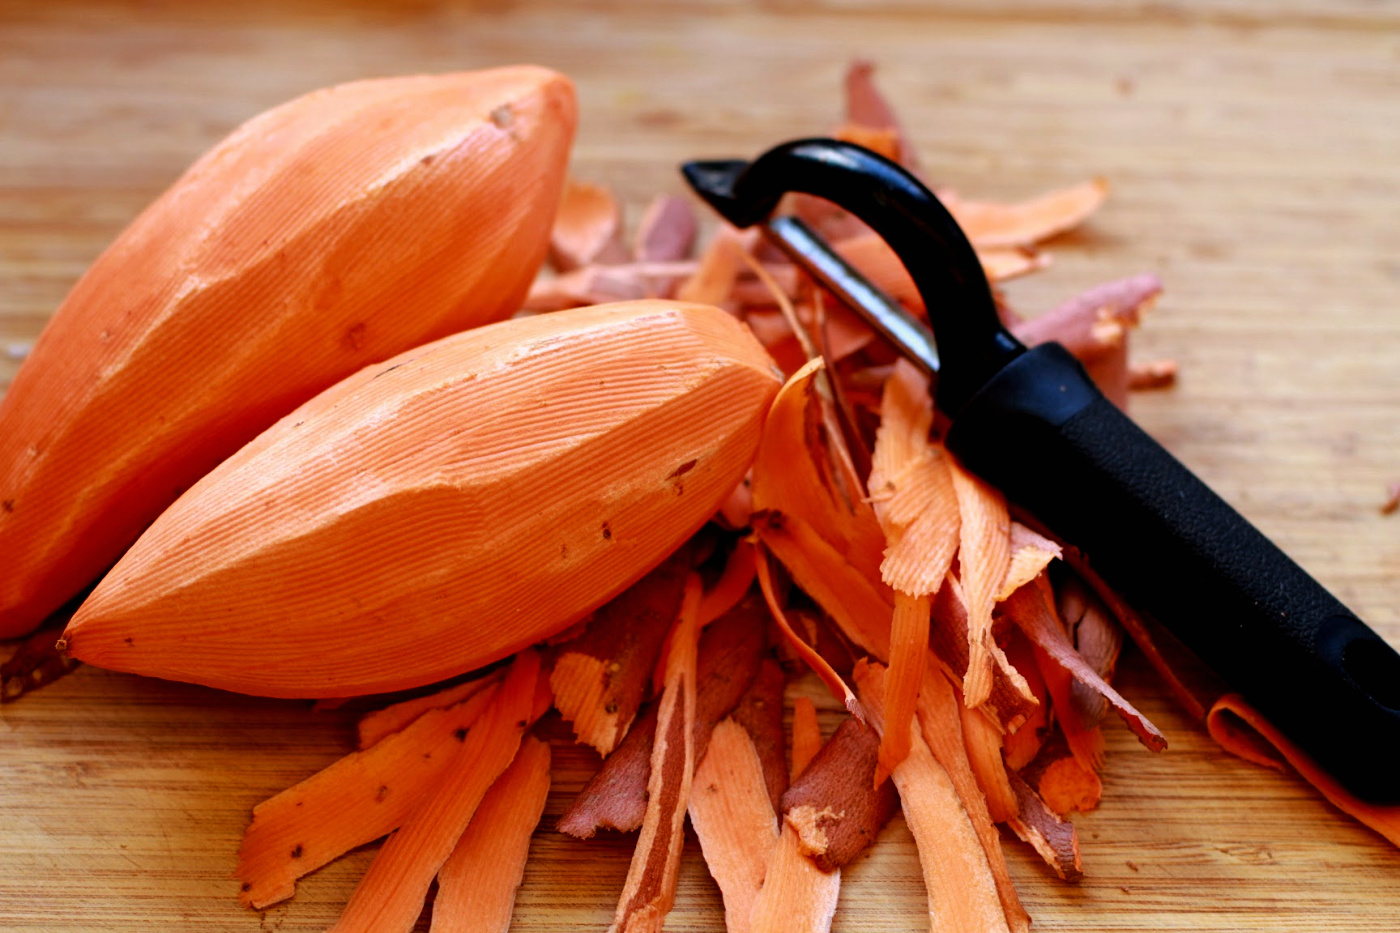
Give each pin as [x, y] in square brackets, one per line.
[1254, 153]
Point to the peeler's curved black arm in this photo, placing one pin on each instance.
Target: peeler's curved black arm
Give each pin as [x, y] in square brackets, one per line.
[942, 263]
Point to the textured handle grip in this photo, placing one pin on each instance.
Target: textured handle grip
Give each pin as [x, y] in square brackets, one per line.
[1041, 432]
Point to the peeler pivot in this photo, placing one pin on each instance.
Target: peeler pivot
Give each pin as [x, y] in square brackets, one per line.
[1032, 423]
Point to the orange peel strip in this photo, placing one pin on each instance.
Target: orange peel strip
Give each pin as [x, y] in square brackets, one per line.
[477, 883]
[1231, 719]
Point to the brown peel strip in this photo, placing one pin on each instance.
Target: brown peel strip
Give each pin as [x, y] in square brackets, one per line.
[666, 231]
[355, 800]
[1094, 320]
[1109, 371]
[1085, 742]
[1238, 728]
[1141, 633]
[1033, 610]
[650, 888]
[477, 883]
[760, 712]
[615, 797]
[390, 896]
[962, 893]
[833, 805]
[734, 819]
[867, 107]
[600, 678]
[806, 652]
[601, 284]
[1096, 637]
[377, 724]
[1054, 839]
[1012, 700]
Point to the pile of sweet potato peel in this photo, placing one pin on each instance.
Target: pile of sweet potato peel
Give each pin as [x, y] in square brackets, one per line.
[974, 663]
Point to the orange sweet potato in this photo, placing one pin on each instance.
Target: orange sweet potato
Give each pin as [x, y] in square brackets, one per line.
[443, 509]
[324, 235]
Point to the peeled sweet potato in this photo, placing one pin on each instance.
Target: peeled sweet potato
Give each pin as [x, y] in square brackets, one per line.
[443, 509]
[333, 231]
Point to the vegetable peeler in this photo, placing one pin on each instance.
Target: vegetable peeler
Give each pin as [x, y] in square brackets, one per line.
[1033, 424]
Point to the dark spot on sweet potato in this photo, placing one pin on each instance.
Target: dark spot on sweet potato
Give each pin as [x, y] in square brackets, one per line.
[355, 336]
[380, 794]
[129, 640]
[460, 735]
[607, 532]
[8, 505]
[683, 469]
[296, 852]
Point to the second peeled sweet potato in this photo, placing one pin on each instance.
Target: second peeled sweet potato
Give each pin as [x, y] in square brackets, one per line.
[443, 509]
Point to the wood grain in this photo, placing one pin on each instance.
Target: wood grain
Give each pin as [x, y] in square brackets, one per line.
[1254, 153]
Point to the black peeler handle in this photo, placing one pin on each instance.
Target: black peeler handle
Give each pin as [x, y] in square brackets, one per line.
[1042, 432]
[1032, 423]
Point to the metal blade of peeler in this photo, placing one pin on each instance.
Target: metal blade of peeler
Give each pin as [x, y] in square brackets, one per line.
[807, 249]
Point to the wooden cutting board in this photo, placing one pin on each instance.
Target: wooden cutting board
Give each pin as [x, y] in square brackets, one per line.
[1254, 153]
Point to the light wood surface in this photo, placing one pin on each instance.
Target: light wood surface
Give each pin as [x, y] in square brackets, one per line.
[1254, 152]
